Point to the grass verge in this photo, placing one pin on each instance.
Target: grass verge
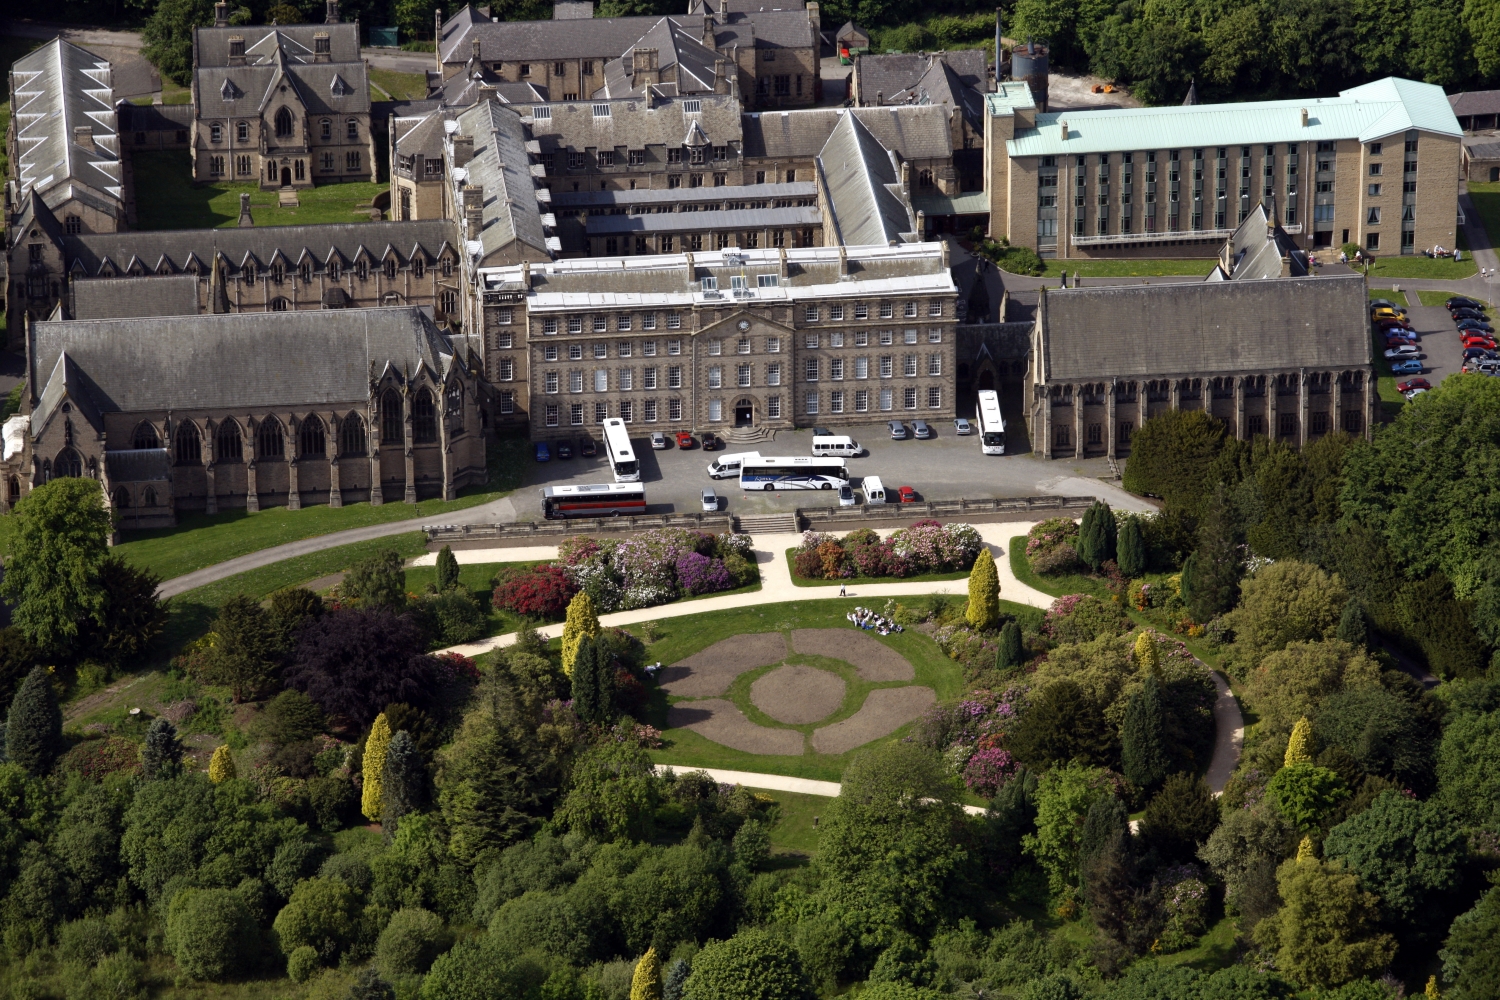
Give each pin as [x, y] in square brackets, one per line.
[1423, 267]
[167, 198]
[1391, 401]
[1486, 199]
[1438, 297]
[400, 86]
[924, 578]
[1385, 293]
[1127, 268]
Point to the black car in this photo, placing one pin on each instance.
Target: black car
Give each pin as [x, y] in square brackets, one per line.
[564, 450]
[1474, 324]
[1466, 313]
[1471, 353]
[1459, 302]
[587, 448]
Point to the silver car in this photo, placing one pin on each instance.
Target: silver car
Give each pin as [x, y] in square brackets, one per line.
[922, 429]
[962, 426]
[898, 431]
[710, 501]
[847, 496]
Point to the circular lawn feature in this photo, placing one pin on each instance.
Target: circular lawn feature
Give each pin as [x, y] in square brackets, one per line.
[873, 660]
[722, 722]
[710, 671]
[795, 694]
[884, 711]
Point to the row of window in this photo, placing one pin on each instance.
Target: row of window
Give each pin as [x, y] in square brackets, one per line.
[715, 346]
[277, 273]
[861, 399]
[861, 310]
[718, 376]
[694, 155]
[750, 239]
[885, 366]
[650, 411]
[244, 166]
[284, 127]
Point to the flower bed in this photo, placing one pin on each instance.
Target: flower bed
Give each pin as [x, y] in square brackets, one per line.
[924, 547]
[969, 736]
[1051, 546]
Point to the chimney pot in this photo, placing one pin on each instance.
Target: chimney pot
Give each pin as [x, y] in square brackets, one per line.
[331, 12]
[83, 135]
[221, 14]
[1304, 118]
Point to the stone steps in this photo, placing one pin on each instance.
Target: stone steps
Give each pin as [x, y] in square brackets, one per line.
[769, 524]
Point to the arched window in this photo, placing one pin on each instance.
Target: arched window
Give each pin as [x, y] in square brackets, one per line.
[325, 129]
[390, 268]
[228, 445]
[13, 488]
[145, 436]
[352, 436]
[150, 497]
[312, 440]
[362, 269]
[335, 269]
[283, 123]
[280, 304]
[423, 418]
[250, 272]
[122, 498]
[390, 418]
[47, 470]
[453, 408]
[268, 440]
[189, 445]
[418, 266]
[68, 464]
[447, 267]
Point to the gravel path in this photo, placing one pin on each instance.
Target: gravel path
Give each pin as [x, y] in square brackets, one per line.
[1229, 736]
[884, 711]
[722, 722]
[873, 660]
[775, 782]
[797, 695]
[710, 671]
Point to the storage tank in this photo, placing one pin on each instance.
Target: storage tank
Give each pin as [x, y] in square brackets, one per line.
[1029, 62]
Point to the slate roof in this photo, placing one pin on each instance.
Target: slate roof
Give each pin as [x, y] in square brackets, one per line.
[675, 197]
[56, 89]
[693, 64]
[903, 77]
[231, 361]
[263, 40]
[182, 246]
[1483, 147]
[1256, 250]
[138, 465]
[334, 88]
[420, 135]
[674, 222]
[865, 199]
[117, 298]
[632, 125]
[502, 165]
[464, 87]
[914, 132]
[743, 6]
[1382, 108]
[153, 117]
[766, 29]
[1145, 331]
[1475, 102]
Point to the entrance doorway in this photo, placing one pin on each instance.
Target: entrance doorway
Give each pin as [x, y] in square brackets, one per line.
[744, 413]
[286, 177]
[986, 378]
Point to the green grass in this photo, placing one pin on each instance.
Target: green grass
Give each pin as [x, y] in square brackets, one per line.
[1385, 293]
[1423, 267]
[477, 577]
[1128, 267]
[1391, 401]
[680, 637]
[1437, 297]
[1486, 199]
[923, 578]
[1214, 950]
[399, 86]
[793, 832]
[201, 540]
[167, 198]
[171, 93]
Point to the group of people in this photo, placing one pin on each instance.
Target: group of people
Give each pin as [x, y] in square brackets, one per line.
[870, 621]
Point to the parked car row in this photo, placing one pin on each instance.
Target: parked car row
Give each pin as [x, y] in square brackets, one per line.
[1475, 335]
[920, 429]
[662, 440]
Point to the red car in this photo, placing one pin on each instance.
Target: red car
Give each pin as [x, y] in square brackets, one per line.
[1398, 341]
[684, 439]
[907, 494]
[1488, 342]
[1413, 383]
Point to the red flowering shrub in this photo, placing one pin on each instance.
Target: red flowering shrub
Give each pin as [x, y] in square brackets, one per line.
[630, 693]
[544, 592]
[832, 561]
[94, 759]
[457, 667]
[808, 565]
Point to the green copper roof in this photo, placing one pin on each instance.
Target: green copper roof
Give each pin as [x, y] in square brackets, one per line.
[1385, 107]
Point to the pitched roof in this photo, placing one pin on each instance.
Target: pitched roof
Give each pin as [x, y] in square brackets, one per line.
[502, 166]
[262, 41]
[1482, 147]
[766, 29]
[743, 6]
[56, 90]
[899, 77]
[344, 239]
[236, 360]
[917, 132]
[677, 222]
[322, 88]
[865, 199]
[574, 200]
[422, 134]
[631, 124]
[117, 298]
[1257, 249]
[1384, 107]
[693, 65]
[1475, 102]
[1144, 331]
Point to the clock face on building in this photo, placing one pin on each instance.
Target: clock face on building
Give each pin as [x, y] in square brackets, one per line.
[744, 324]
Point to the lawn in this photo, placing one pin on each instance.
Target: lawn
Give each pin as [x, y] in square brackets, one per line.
[389, 85]
[1423, 267]
[1437, 297]
[478, 578]
[1397, 297]
[1391, 401]
[167, 198]
[791, 555]
[171, 93]
[1128, 267]
[201, 540]
[793, 831]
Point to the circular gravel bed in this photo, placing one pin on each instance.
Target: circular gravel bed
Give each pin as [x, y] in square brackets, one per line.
[722, 722]
[710, 671]
[872, 659]
[795, 694]
[884, 711]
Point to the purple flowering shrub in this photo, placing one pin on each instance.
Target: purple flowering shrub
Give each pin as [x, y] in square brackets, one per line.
[655, 566]
[925, 547]
[1051, 546]
[988, 770]
[699, 574]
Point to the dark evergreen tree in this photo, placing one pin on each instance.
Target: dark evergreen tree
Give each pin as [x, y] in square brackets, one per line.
[1211, 575]
[1144, 754]
[1130, 553]
[288, 610]
[378, 580]
[1180, 818]
[1009, 654]
[369, 985]
[594, 683]
[447, 568]
[403, 781]
[1106, 868]
[161, 756]
[1089, 540]
[1106, 820]
[33, 729]
[1353, 628]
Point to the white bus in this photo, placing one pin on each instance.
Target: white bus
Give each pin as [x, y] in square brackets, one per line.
[799, 473]
[621, 456]
[593, 500]
[991, 424]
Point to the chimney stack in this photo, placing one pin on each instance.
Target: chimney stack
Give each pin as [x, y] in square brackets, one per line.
[83, 135]
[221, 14]
[331, 12]
[474, 49]
[1064, 125]
[473, 211]
[1304, 118]
[947, 264]
[644, 68]
[322, 51]
[463, 150]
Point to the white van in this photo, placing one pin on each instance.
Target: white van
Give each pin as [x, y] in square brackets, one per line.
[874, 489]
[728, 466]
[835, 445]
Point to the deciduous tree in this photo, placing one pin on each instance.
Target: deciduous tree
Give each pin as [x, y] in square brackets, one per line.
[58, 547]
[1471, 963]
[1305, 793]
[1063, 797]
[354, 663]
[1406, 852]
[1325, 933]
[211, 933]
[752, 965]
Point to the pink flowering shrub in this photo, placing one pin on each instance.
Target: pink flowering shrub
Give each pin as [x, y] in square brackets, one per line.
[1050, 546]
[924, 547]
[988, 769]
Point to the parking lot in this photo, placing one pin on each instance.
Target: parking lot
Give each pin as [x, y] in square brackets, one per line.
[1442, 355]
[944, 467]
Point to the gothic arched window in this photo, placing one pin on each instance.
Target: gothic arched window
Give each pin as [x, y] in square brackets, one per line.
[150, 497]
[423, 418]
[390, 418]
[352, 436]
[145, 436]
[228, 445]
[68, 464]
[283, 123]
[189, 445]
[122, 498]
[269, 442]
[390, 268]
[312, 440]
[453, 407]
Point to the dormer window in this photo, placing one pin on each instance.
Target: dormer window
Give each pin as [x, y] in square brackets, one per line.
[229, 91]
[236, 48]
[339, 88]
[320, 44]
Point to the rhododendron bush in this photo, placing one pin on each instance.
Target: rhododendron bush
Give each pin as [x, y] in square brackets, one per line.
[925, 547]
[653, 567]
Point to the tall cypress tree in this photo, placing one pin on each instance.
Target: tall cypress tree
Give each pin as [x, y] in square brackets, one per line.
[161, 756]
[594, 682]
[447, 568]
[1009, 654]
[1105, 821]
[1143, 744]
[1211, 575]
[1353, 628]
[1131, 550]
[1088, 537]
[403, 782]
[33, 730]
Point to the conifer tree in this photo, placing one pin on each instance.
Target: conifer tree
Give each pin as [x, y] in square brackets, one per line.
[1299, 748]
[1131, 551]
[1009, 654]
[221, 765]
[646, 983]
[1211, 575]
[581, 623]
[1147, 657]
[594, 683]
[376, 745]
[403, 781]
[33, 729]
[161, 755]
[984, 593]
[1096, 535]
[1306, 851]
[447, 568]
[1144, 754]
[676, 979]
[1353, 628]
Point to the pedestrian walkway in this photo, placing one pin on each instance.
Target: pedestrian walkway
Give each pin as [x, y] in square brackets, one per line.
[777, 782]
[1229, 736]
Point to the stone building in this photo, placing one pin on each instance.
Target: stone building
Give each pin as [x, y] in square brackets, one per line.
[253, 410]
[742, 339]
[955, 81]
[154, 126]
[287, 106]
[1378, 165]
[1289, 358]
